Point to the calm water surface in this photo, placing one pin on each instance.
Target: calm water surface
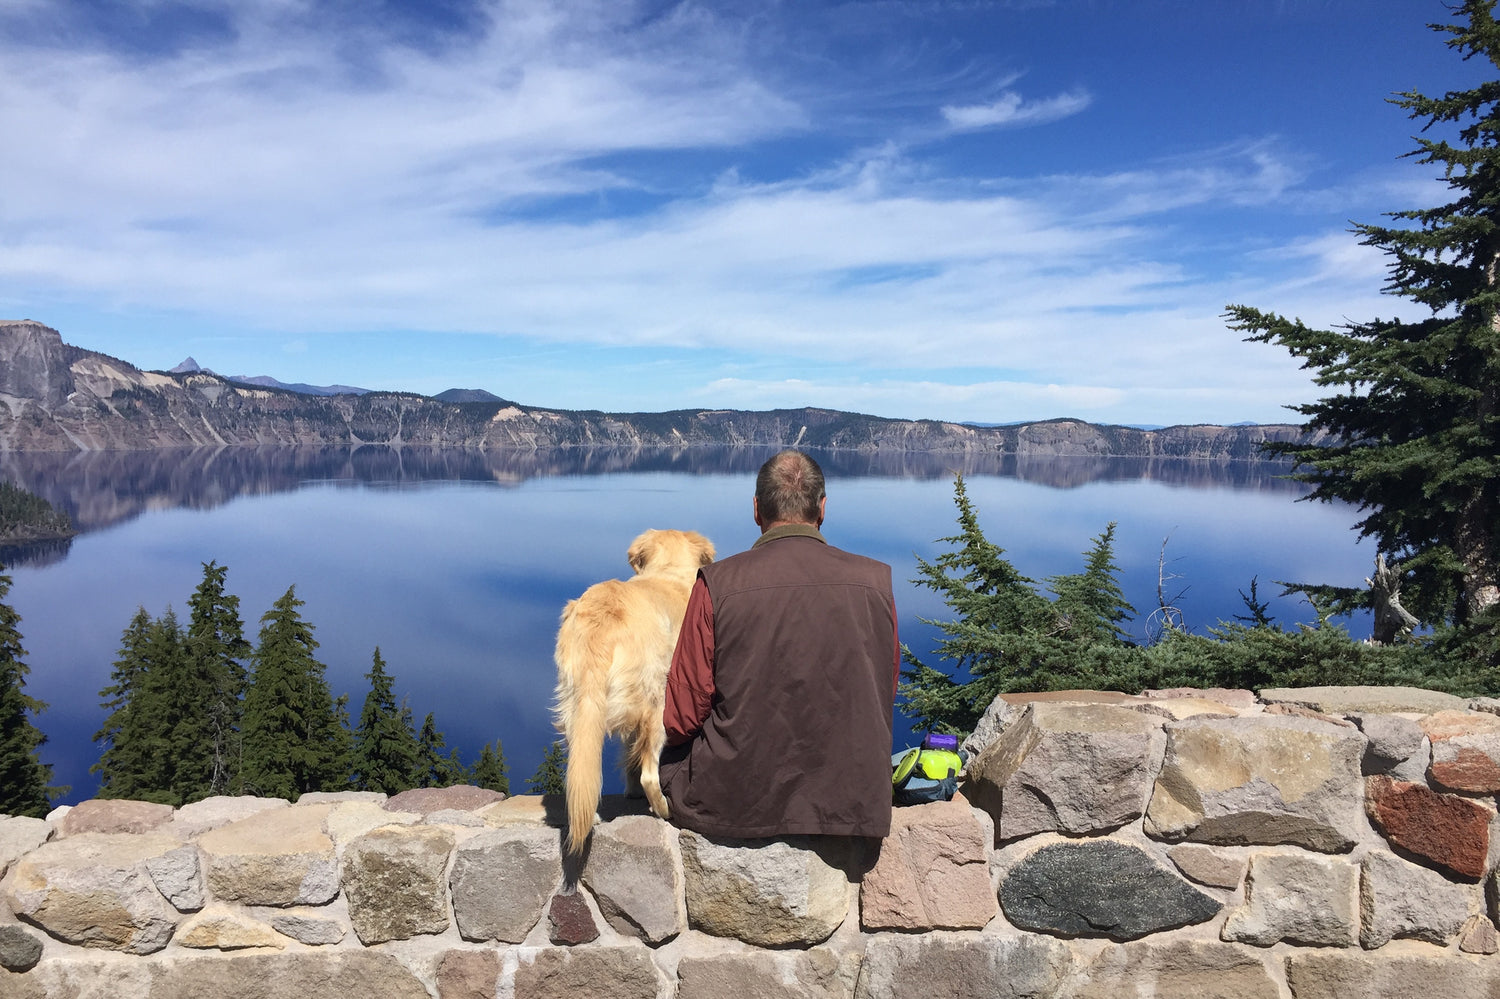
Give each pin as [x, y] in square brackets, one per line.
[457, 564]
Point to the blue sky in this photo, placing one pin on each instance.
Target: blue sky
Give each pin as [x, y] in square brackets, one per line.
[985, 211]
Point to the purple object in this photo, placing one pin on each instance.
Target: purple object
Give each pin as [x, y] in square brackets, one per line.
[937, 740]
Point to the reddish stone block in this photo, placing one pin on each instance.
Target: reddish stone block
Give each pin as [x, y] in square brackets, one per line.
[1452, 833]
[468, 974]
[570, 921]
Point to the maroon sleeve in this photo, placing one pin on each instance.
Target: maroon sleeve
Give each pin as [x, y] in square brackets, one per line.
[690, 684]
[896, 634]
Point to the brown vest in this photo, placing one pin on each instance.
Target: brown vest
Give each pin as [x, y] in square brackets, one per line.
[798, 739]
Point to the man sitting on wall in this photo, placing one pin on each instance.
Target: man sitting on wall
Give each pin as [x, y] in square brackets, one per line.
[779, 700]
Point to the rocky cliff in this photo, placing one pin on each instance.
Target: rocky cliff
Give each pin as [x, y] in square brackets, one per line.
[61, 398]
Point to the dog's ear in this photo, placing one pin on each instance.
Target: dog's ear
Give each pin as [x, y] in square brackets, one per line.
[705, 549]
[639, 552]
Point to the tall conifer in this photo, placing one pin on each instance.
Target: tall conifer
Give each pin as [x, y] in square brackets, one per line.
[385, 748]
[23, 776]
[291, 745]
[1412, 433]
[216, 641]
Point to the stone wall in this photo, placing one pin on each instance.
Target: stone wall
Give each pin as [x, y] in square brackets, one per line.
[1303, 844]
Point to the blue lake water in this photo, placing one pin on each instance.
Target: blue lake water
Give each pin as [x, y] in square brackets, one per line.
[457, 564]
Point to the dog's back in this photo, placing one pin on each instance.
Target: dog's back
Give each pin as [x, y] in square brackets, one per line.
[614, 648]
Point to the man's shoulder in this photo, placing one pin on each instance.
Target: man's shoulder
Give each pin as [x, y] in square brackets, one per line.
[805, 551]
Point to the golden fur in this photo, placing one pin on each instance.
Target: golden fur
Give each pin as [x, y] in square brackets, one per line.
[614, 649]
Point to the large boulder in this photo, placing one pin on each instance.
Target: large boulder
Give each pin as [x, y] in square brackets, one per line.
[1071, 768]
[766, 892]
[818, 973]
[1449, 832]
[279, 857]
[932, 873]
[1296, 897]
[1265, 780]
[94, 889]
[899, 966]
[1100, 888]
[1399, 899]
[1200, 969]
[635, 874]
[395, 879]
[501, 881]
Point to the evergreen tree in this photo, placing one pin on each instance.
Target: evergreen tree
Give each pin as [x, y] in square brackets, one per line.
[290, 726]
[490, 769]
[385, 749]
[552, 773]
[1010, 637]
[180, 691]
[1412, 434]
[138, 758]
[23, 776]
[433, 768]
[216, 642]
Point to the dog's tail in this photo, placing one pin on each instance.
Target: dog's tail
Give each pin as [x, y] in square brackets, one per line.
[585, 766]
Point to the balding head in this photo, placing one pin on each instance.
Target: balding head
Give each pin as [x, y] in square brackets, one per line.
[789, 490]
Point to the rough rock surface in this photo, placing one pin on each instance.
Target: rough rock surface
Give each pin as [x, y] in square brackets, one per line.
[114, 816]
[635, 874]
[315, 931]
[1260, 780]
[1206, 865]
[932, 873]
[898, 966]
[324, 974]
[526, 860]
[1478, 936]
[1100, 888]
[818, 973]
[1465, 751]
[1450, 832]
[1394, 971]
[1298, 898]
[193, 820]
[19, 836]
[1187, 969]
[93, 889]
[179, 877]
[395, 878]
[279, 857]
[569, 921]
[1398, 899]
[221, 928]
[19, 949]
[350, 820]
[1393, 740]
[567, 973]
[1356, 700]
[468, 974]
[1073, 768]
[767, 892]
[423, 800]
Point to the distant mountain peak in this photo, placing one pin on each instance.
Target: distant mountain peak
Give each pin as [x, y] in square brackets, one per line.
[187, 367]
[467, 395]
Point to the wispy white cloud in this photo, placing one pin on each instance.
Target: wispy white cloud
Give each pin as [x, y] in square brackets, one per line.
[1011, 109]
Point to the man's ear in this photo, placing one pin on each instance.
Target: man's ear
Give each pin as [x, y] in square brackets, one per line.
[755, 506]
[822, 510]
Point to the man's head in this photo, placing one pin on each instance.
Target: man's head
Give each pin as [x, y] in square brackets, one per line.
[789, 490]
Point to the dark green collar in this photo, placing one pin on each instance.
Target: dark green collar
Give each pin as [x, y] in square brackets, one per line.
[789, 531]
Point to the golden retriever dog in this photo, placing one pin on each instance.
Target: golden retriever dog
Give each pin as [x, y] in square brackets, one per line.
[614, 649]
